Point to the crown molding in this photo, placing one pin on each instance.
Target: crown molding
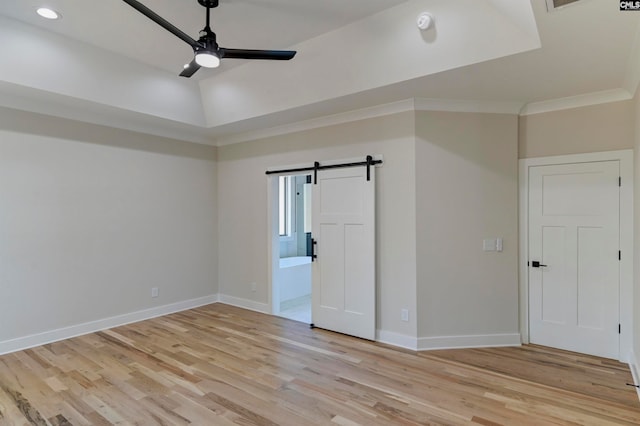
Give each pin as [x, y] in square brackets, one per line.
[588, 99]
[315, 123]
[411, 104]
[462, 105]
[36, 101]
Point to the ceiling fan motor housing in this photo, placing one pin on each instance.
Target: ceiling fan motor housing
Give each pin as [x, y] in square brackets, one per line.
[209, 3]
[208, 43]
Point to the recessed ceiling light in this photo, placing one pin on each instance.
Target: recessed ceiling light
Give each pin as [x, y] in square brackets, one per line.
[47, 13]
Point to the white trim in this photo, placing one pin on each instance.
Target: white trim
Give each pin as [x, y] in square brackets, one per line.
[474, 341]
[463, 105]
[397, 339]
[432, 104]
[587, 99]
[251, 305]
[39, 339]
[523, 238]
[625, 157]
[632, 76]
[633, 366]
[627, 248]
[273, 246]
[411, 104]
[315, 123]
[89, 112]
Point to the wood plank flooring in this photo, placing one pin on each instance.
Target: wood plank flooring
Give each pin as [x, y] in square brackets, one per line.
[221, 365]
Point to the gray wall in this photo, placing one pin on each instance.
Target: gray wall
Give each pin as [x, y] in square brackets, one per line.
[603, 127]
[92, 217]
[466, 191]
[448, 181]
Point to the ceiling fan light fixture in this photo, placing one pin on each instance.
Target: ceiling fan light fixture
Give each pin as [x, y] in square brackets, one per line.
[47, 13]
[207, 59]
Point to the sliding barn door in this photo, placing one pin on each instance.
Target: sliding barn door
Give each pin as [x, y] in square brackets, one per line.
[344, 296]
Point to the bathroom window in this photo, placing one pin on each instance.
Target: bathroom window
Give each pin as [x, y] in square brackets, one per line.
[285, 207]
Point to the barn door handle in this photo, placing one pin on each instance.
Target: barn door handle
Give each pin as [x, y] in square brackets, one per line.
[537, 264]
[314, 256]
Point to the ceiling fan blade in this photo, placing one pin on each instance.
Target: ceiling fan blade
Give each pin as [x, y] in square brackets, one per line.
[190, 70]
[278, 55]
[162, 22]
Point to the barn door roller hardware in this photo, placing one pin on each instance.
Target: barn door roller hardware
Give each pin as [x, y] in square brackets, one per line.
[368, 163]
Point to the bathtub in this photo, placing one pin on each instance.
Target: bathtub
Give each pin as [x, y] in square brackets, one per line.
[294, 277]
[290, 262]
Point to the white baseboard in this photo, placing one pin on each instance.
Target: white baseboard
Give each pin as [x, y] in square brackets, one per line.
[447, 342]
[397, 339]
[251, 305]
[475, 341]
[382, 336]
[635, 371]
[33, 340]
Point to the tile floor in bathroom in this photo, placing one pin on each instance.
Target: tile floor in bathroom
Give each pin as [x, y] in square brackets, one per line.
[298, 309]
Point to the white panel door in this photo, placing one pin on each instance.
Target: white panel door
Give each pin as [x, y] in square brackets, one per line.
[574, 227]
[343, 217]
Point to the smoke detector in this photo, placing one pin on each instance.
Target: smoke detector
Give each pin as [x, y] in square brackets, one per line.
[425, 21]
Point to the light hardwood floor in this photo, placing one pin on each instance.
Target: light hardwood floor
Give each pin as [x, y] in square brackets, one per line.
[220, 365]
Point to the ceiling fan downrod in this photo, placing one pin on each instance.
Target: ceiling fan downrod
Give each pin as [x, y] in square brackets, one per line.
[209, 4]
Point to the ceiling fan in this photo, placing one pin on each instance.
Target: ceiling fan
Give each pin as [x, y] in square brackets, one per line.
[206, 51]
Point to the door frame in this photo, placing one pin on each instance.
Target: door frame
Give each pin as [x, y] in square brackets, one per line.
[273, 239]
[625, 157]
[273, 242]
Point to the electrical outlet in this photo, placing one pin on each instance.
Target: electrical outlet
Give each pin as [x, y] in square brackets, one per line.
[254, 287]
[404, 314]
[154, 292]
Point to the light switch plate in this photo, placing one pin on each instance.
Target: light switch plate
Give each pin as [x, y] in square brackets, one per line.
[489, 244]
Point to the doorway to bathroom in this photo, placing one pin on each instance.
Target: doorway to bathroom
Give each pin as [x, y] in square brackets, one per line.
[339, 209]
[291, 248]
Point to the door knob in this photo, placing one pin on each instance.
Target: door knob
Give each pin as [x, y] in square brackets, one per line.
[537, 264]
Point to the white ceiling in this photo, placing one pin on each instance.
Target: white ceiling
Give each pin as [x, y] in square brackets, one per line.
[104, 62]
[249, 24]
